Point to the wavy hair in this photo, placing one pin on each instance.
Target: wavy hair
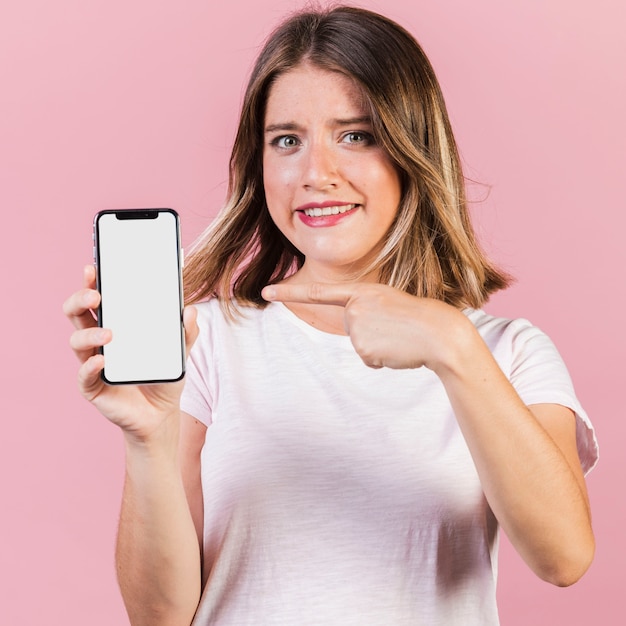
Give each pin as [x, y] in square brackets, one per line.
[430, 249]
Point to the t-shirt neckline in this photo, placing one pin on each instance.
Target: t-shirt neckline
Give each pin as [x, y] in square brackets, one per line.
[320, 336]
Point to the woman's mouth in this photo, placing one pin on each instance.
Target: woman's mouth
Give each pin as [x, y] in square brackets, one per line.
[329, 210]
[329, 215]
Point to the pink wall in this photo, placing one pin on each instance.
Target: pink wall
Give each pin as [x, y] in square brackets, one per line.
[109, 104]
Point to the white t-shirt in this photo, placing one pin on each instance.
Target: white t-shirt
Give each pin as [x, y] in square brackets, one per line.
[337, 494]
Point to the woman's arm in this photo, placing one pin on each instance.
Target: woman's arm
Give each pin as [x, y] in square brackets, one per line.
[527, 461]
[192, 436]
[158, 555]
[526, 457]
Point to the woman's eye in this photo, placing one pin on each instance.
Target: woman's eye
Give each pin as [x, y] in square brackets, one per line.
[285, 141]
[357, 137]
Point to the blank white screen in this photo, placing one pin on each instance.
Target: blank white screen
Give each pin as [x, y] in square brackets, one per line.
[141, 304]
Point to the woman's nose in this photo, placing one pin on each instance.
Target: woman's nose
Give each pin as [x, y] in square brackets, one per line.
[319, 167]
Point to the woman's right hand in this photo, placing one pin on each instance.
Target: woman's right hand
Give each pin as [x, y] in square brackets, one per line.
[142, 411]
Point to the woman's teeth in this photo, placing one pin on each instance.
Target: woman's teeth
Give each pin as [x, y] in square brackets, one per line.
[329, 210]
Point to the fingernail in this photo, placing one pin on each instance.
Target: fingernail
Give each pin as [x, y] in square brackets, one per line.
[268, 293]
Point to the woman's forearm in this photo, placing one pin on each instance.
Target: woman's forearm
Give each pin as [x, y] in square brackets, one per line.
[158, 556]
[531, 483]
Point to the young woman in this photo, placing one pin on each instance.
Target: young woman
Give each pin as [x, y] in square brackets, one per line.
[353, 428]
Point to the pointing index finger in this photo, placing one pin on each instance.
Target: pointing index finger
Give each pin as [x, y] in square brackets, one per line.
[309, 293]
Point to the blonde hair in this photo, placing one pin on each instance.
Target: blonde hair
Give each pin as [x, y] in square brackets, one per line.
[430, 249]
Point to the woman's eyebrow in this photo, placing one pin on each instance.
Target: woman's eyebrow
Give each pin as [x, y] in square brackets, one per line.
[363, 119]
[292, 126]
[282, 126]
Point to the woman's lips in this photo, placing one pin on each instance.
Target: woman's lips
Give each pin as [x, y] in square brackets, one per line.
[327, 214]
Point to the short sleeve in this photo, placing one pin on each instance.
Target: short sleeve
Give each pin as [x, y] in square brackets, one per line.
[539, 375]
[199, 391]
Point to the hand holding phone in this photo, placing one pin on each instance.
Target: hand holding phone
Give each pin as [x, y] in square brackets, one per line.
[138, 260]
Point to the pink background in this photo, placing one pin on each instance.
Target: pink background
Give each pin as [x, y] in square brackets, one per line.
[112, 103]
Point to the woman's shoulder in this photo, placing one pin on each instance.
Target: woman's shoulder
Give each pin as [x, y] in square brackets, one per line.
[536, 369]
[208, 308]
[511, 335]
[496, 326]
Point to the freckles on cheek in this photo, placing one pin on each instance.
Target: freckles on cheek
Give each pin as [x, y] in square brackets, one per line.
[273, 175]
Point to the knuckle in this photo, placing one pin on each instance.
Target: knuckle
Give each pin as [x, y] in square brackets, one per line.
[351, 314]
[370, 354]
[70, 306]
[84, 339]
[75, 338]
[75, 305]
[371, 361]
[315, 292]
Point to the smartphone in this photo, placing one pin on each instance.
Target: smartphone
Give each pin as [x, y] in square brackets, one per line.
[138, 258]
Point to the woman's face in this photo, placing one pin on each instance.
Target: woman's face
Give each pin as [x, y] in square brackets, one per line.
[330, 189]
